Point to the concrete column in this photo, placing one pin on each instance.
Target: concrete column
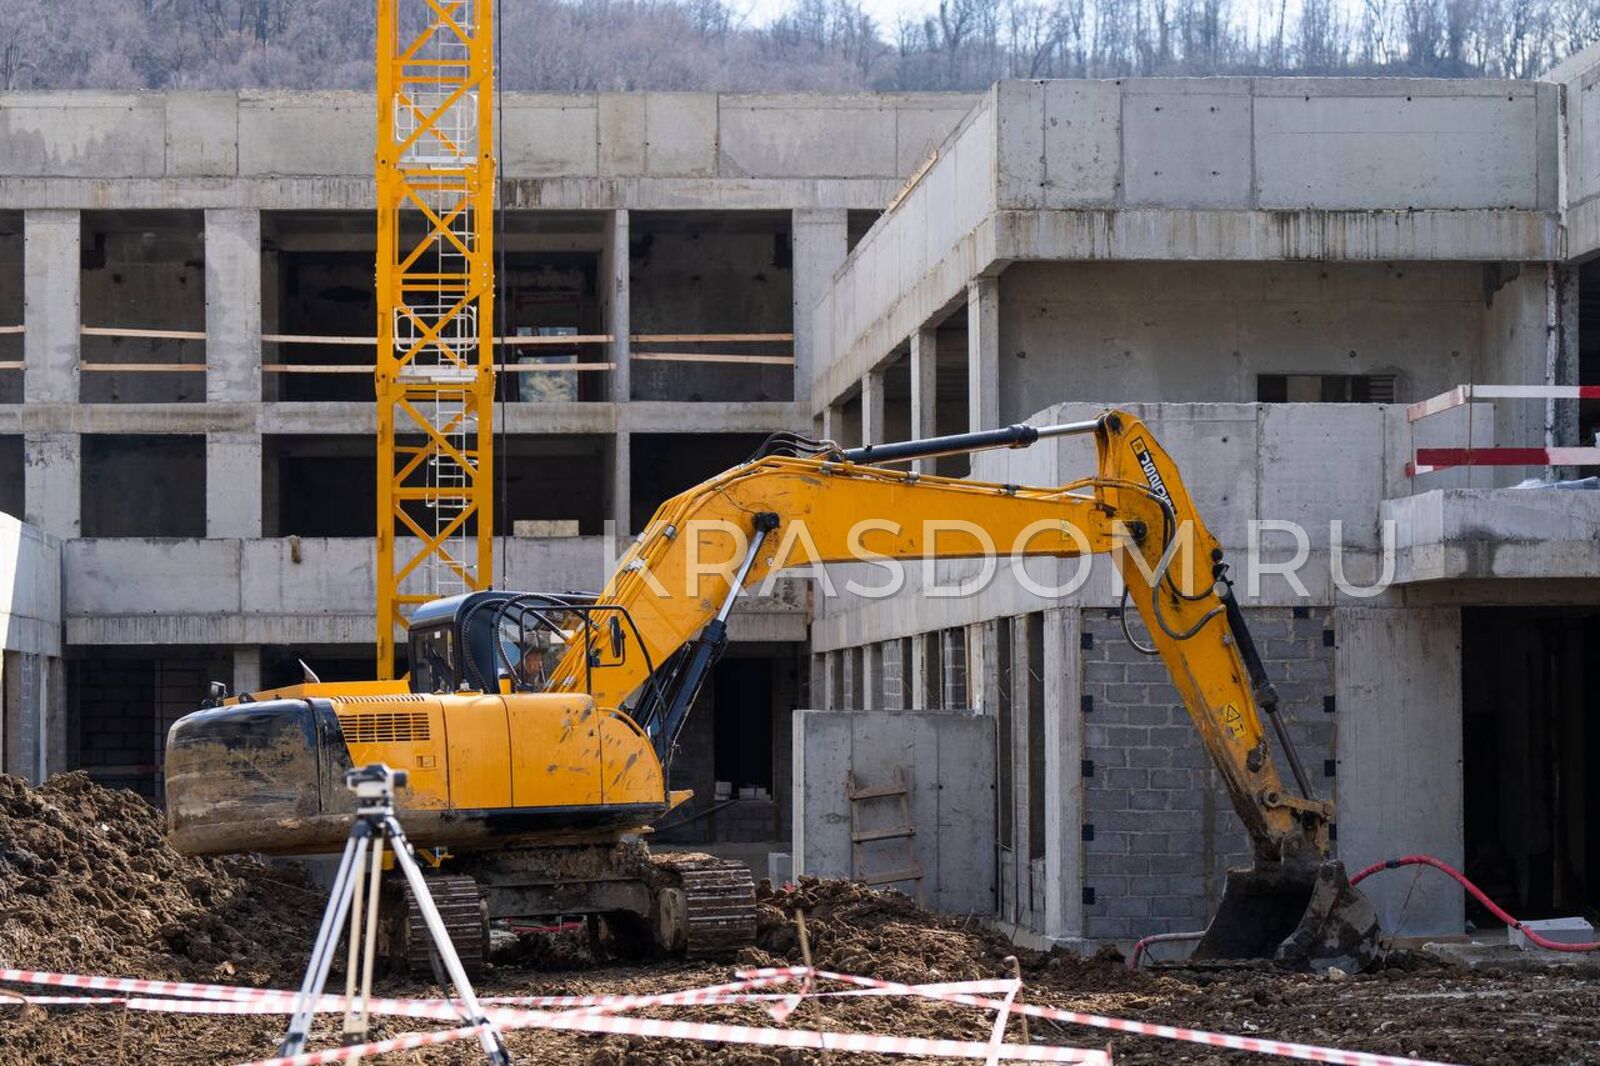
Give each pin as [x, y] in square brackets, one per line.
[871, 695]
[1397, 690]
[832, 422]
[50, 290]
[52, 482]
[872, 407]
[919, 673]
[233, 485]
[924, 390]
[983, 354]
[246, 668]
[616, 304]
[1063, 782]
[233, 306]
[819, 242]
[34, 726]
[622, 486]
[1021, 842]
[830, 684]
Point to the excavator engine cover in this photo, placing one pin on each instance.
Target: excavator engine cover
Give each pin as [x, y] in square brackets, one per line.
[1300, 915]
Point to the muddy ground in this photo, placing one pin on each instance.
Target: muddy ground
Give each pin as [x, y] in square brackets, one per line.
[87, 885]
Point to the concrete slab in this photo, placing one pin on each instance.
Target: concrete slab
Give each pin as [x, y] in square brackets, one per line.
[1449, 534]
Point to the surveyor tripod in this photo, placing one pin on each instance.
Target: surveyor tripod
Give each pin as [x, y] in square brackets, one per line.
[355, 897]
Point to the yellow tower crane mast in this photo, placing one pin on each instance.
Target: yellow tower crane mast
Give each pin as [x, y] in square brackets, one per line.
[435, 297]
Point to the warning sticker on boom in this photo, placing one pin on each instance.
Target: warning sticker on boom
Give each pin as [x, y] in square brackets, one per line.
[1233, 721]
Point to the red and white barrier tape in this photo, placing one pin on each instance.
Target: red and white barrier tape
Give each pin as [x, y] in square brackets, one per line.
[595, 1014]
[1281, 1048]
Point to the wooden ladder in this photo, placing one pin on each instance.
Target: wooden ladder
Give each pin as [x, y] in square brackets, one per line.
[857, 795]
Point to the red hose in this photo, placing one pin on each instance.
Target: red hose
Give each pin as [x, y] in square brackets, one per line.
[1477, 894]
[1157, 938]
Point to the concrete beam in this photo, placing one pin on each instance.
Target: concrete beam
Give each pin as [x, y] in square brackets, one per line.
[233, 485]
[233, 305]
[983, 354]
[313, 419]
[52, 476]
[50, 294]
[617, 306]
[820, 240]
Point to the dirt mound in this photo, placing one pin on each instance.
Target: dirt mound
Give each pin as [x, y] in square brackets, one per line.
[883, 933]
[89, 885]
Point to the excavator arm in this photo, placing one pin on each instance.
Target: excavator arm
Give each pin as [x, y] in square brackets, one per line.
[703, 547]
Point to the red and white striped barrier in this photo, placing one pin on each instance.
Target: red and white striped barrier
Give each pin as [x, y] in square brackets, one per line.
[600, 1014]
[1427, 460]
[1462, 395]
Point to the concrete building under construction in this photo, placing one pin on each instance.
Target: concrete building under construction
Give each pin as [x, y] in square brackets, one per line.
[1272, 271]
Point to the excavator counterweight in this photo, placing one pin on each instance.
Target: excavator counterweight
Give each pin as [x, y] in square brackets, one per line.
[538, 728]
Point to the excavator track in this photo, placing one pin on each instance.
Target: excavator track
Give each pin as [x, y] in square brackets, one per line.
[466, 918]
[704, 904]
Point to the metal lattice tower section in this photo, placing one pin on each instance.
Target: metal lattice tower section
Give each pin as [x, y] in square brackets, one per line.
[435, 291]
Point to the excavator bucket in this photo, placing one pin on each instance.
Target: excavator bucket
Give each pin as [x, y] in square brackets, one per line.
[1303, 916]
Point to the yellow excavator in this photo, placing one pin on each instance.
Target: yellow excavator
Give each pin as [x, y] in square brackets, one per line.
[537, 728]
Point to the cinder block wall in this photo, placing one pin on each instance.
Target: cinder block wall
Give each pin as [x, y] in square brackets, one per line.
[1159, 830]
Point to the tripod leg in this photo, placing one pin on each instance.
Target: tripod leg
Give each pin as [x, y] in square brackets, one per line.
[471, 1011]
[353, 955]
[370, 949]
[333, 918]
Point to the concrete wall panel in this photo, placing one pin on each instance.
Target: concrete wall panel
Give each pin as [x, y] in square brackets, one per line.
[1342, 152]
[786, 136]
[306, 133]
[202, 135]
[622, 134]
[30, 589]
[547, 136]
[1187, 142]
[681, 134]
[82, 135]
[948, 760]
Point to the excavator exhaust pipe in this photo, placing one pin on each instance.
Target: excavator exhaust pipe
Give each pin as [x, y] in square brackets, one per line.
[1301, 916]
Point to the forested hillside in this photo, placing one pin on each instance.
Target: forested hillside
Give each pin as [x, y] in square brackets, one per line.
[813, 44]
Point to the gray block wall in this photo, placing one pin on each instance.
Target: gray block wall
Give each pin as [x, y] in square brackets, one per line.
[1163, 830]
